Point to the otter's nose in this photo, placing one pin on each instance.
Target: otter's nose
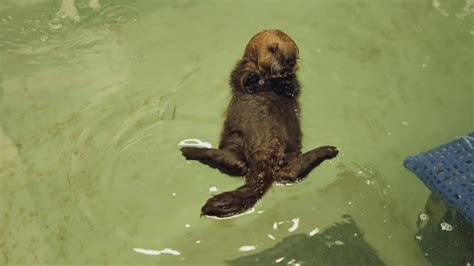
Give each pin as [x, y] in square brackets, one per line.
[290, 60]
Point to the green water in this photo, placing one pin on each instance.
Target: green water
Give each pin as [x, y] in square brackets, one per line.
[94, 104]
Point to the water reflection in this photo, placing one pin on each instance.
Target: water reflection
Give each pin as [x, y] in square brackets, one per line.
[341, 244]
[50, 34]
[444, 235]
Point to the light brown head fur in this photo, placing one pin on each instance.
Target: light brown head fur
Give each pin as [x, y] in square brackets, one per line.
[273, 53]
[269, 54]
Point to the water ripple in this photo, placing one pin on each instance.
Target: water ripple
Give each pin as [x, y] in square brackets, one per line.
[55, 34]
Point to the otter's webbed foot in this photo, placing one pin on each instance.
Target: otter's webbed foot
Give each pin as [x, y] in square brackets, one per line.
[233, 202]
[287, 86]
[252, 82]
[225, 204]
[223, 160]
[300, 166]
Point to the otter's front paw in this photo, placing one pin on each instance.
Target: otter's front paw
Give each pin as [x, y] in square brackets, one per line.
[192, 153]
[251, 82]
[285, 87]
[328, 152]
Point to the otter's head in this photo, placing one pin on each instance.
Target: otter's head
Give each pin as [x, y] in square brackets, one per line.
[273, 53]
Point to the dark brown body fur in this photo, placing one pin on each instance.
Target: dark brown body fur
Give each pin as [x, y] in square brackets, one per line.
[261, 139]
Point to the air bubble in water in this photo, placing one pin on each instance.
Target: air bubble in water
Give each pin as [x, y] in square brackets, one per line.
[61, 14]
[423, 216]
[55, 24]
[446, 227]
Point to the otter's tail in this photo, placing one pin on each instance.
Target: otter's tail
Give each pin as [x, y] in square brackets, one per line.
[243, 198]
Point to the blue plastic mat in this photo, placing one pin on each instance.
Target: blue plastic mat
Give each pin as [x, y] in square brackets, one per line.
[448, 171]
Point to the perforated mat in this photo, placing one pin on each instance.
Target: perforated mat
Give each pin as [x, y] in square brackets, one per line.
[448, 171]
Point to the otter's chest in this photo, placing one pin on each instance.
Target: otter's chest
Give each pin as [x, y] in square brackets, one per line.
[267, 109]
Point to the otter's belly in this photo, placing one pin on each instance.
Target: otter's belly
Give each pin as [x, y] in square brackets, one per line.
[265, 121]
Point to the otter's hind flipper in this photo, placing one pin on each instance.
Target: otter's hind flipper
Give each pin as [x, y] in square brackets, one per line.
[222, 160]
[299, 167]
[229, 203]
[237, 201]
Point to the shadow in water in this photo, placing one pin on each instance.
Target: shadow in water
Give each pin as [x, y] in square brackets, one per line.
[341, 244]
[454, 246]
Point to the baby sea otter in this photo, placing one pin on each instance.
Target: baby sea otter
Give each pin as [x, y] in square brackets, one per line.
[261, 139]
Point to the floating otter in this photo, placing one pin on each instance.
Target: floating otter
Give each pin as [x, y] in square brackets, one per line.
[261, 139]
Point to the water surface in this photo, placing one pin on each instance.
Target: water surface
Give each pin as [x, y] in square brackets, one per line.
[94, 103]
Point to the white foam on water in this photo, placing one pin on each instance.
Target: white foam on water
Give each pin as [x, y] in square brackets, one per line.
[195, 143]
[279, 260]
[296, 222]
[284, 184]
[157, 252]
[247, 248]
[252, 210]
[314, 232]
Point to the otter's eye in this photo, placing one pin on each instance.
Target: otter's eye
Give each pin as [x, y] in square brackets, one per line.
[273, 48]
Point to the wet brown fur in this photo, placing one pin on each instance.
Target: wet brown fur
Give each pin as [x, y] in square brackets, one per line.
[261, 138]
